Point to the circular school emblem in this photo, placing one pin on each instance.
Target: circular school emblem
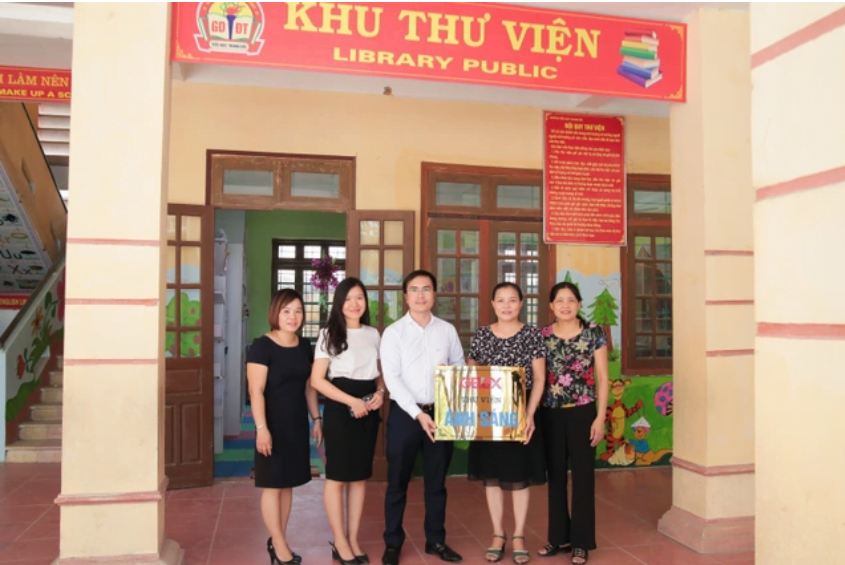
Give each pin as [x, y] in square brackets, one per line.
[230, 27]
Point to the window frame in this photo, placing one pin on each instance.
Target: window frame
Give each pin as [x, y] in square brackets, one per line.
[652, 225]
[282, 166]
[490, 218]
[489, 178]
[299, 264]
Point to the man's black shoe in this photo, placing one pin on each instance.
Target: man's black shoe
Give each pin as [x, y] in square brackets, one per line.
[391, 555]
[445, 552]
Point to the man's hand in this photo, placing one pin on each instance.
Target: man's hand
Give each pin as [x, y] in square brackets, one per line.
[427, 424]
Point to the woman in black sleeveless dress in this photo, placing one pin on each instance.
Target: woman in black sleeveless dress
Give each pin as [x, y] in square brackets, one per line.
[278, 369]
[510, 466]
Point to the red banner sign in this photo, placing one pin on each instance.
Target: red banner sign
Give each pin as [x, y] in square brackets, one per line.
[475, 43]
[13, 301]
[584, 179]
[34, 85]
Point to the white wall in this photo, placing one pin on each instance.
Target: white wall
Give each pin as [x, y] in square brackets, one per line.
[232, 222]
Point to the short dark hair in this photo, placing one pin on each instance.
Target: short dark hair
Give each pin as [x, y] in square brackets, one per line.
[573, 288]
[419, 273]
[282, 298]
[506, 285]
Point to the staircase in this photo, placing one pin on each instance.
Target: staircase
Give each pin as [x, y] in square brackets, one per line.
[41, 437]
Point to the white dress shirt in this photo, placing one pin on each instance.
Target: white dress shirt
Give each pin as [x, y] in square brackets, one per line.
[409, 356]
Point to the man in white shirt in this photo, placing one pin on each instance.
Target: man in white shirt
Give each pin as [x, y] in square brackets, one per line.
[411, 349]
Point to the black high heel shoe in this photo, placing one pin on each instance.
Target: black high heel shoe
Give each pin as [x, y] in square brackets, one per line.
[274, 559]
[336, 556]
[363, 559]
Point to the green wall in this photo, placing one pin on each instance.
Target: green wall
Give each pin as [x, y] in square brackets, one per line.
[261, 229]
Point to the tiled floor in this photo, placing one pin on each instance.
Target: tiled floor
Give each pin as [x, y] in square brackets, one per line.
[222, 524]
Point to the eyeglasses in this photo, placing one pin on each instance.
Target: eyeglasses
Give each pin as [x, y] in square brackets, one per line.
[418, 290]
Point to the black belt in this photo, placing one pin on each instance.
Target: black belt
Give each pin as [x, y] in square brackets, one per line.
[426, 407]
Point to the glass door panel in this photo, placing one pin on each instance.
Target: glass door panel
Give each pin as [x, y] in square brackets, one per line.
[456, 261]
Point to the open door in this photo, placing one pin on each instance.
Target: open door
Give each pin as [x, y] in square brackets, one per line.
[380, 252]
[189, 340]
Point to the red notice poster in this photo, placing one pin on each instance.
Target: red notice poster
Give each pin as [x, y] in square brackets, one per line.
[584, 179]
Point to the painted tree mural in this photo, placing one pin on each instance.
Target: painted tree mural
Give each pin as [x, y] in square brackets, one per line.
[604, 311]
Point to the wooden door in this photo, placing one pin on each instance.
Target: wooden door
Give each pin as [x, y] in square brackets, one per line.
[470, 256]
[458, 257]
[380, 252]
[189, 342]
[518, 255]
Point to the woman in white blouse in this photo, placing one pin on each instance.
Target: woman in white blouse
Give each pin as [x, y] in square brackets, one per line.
[346, 372]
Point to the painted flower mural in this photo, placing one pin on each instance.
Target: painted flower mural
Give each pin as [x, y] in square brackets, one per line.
[46, 327]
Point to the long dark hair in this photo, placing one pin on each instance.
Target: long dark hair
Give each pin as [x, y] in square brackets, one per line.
[574, 289]
[336, 326]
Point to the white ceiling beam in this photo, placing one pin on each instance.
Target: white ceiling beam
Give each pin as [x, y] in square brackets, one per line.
[176, 72]
[54, 135]
[54, 122]
[56, 149]
[36, 20]
[595, 102]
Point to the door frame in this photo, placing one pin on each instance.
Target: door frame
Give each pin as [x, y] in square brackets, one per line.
[353, 268]
[205, 475]
[483, 215]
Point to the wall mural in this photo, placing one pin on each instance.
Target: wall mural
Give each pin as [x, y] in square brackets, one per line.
[189, 314]
[27, 349]
[23, 261]
[639, 409]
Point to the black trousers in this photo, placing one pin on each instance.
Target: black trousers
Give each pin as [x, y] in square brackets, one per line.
[568, 443]
[405, 438]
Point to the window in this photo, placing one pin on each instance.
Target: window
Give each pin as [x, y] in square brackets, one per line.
[292, 269]
[266, 182]
[647, 279]
[484, 226]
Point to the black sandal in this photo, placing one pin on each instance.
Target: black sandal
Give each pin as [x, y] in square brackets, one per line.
[496, 552]
[580, 553]
[552, 550]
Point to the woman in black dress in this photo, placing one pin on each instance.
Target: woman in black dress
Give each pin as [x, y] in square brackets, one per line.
[278, 369]
[504, 465]
[346, 372]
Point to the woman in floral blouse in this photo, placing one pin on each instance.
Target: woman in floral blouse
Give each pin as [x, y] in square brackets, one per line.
[574, 406]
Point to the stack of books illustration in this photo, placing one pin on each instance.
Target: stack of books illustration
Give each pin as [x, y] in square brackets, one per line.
[640, 63]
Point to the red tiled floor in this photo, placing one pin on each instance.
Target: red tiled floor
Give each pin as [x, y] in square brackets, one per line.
[222, 524]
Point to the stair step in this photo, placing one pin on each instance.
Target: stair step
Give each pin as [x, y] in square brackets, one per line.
[35, 451]
[57, 378]
[46, 412]
[45, 429]
[51, 395]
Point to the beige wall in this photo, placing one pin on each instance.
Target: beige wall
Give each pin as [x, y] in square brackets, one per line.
[798, 165]
[389, 136]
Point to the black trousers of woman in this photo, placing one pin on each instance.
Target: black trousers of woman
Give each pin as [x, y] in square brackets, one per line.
[568, 445]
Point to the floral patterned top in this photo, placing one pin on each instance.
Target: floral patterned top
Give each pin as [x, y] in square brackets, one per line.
[570, 368]
[519, 350]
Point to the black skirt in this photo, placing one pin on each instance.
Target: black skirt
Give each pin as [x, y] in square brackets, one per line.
[350, 442]
[509, 465]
